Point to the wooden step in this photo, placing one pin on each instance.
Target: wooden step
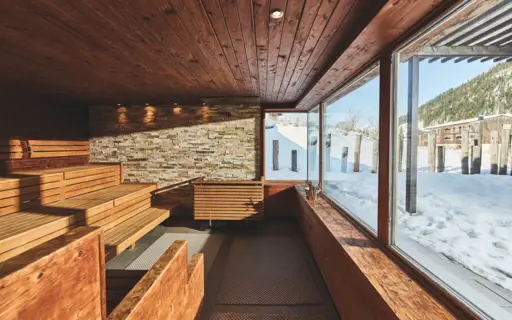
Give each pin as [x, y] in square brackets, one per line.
[128, 232]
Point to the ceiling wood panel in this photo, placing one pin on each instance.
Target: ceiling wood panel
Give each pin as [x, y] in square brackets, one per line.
[391, 22]
[105, 52]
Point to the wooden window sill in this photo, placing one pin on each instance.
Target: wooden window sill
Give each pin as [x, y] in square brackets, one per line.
[364, 282]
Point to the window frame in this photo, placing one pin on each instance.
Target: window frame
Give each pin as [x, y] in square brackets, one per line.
[384, 237]
[337, 95]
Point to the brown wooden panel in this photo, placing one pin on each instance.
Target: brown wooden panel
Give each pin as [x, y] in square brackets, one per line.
[46, 282]
[228, 200]
[171, 289]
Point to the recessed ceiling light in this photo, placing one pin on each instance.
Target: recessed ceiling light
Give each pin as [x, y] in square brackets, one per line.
[276, 14]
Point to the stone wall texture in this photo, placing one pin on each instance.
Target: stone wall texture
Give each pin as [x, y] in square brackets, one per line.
[168, 144]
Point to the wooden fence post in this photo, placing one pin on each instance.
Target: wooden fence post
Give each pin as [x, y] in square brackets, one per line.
[344, 159]
[294, 161]
[440, 158]
[375, 158]
[476, 160]
[275, 155]
[357, 152]
[505, 145]
[400, 150]
[328, 153]
[431, 152]
[494, 152]
[464, 152]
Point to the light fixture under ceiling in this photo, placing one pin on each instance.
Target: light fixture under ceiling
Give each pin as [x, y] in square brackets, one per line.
[276, 14]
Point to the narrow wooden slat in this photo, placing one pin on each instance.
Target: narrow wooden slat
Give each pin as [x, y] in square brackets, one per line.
[11, 149]
[47, 148]
[57, 143]
[41, 154]
[274, 40]
[28, 197]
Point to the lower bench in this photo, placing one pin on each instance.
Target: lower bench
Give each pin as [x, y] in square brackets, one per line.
[65, 278]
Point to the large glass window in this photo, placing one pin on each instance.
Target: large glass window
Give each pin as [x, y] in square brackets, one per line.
[286, 138]
[350, 152]
[453, 215]
[314, 145]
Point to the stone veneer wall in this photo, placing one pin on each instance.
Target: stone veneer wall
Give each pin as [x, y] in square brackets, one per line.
[168, 144]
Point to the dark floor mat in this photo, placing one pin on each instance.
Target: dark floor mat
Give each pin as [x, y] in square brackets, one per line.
[252, 316]
[268, 271]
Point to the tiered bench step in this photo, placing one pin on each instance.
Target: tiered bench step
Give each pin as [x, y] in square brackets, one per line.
[123, 211]
[128, 232]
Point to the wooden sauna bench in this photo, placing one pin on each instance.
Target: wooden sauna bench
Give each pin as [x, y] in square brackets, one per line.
[36, 206]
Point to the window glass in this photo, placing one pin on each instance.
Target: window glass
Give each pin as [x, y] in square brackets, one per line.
[350, 151]
[286, 146]
[454, 209]
[314, 146]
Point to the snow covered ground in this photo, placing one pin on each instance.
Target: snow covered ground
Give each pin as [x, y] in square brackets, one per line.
[465, 218]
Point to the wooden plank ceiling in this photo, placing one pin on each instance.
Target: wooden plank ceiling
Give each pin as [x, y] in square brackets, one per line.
[117, 51]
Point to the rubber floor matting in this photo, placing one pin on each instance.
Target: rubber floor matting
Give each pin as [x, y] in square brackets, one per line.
[268, 271]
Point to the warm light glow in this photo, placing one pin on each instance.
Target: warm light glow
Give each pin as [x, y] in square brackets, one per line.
[149, 116]
[276, 14]
[121, 115]
[176, 110]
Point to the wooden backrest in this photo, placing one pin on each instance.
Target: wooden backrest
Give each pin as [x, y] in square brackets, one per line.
[57, 148]
[171, 289]
[228, 200]
[21, 192]
[63, 278]
[93, 178]
[11, 149]
[24, 190]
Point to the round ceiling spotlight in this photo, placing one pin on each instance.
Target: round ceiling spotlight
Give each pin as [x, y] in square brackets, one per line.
[276, 14]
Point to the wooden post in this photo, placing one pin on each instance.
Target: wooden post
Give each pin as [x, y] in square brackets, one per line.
[400, 150]
[357, 152]
[464, 152]
[344, 159]
[328, 153]
[494, 152]
[375, 158]
[431, 152]
[411, 180]
[476, 161]
[505, 145]
[294, 161]
[275, 155]
[440, 158]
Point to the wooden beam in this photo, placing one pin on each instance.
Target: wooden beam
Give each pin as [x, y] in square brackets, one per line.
[465, 51]
[412, 136]
[385, 156]
[321, 142]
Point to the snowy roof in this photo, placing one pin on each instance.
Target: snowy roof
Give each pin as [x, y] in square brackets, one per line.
[453, 123]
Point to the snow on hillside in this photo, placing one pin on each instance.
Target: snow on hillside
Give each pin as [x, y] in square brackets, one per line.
[466, 218]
